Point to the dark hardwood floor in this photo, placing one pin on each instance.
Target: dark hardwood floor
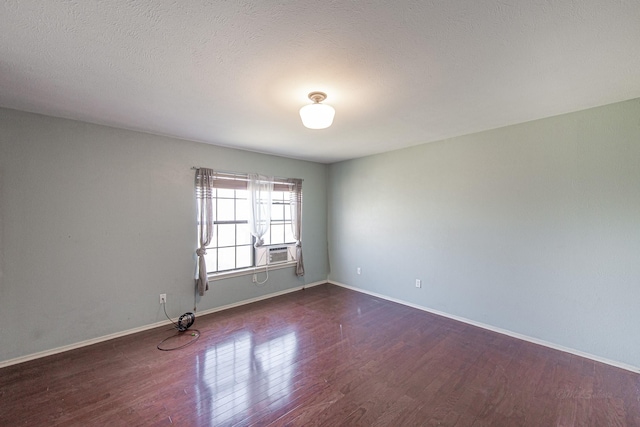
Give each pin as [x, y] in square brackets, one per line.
[323, 356]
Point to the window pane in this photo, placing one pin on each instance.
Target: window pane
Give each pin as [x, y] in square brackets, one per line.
[277, 234]
[288, 233]
[264, 204]
[277, 212]
[277, 196]
[225, 192]
[242, 210]
[243, 236]
[226, 259]
[225, 210]
[210, 259]
[232, 246]
[213, 239]
[243, 256]
[267, 237]
[226, 234]
[287, 211]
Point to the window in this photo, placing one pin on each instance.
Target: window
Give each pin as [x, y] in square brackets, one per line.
[231, 246]
[280, 230]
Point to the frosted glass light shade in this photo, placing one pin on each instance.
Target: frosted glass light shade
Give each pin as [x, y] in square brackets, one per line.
[317, 116]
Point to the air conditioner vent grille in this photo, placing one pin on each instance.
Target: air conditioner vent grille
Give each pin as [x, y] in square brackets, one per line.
[275, 254]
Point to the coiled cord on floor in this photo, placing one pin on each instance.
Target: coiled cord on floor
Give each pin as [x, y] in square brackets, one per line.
[181, 331]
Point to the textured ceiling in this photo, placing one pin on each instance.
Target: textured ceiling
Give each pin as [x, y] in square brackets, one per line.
[235, 73]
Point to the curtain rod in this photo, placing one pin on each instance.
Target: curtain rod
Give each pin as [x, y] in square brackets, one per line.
[241, 173]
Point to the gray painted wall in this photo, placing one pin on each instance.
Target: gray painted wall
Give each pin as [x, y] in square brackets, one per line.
[97, 221]
[532, 228]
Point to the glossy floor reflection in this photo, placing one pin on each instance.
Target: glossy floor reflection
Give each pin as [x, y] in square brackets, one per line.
[323, 356]
[241, 372]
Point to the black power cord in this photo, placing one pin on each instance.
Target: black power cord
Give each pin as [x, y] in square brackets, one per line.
[184, 322]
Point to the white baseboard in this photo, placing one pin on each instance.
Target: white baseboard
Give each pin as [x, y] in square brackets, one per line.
[507, 332]
[91, 341]
[85, 343]
[249, 301]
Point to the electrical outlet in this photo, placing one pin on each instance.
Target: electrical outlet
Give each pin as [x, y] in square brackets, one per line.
[163, 298]
[418, 283]
[358, 270]
[254, 279]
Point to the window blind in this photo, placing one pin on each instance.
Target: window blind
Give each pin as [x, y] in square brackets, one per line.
[239, 181]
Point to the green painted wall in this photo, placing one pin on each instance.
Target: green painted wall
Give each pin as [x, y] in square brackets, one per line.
[532, 228]
[96, 222]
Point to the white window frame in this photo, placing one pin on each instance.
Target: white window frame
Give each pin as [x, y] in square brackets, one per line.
[238, 181]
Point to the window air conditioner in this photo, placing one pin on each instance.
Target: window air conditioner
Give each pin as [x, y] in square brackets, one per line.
[275, 254]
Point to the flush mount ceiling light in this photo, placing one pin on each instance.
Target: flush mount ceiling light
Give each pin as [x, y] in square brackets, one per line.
[316, 115]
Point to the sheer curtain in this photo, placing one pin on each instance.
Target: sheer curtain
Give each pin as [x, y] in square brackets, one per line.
[260, 188]
[204, 195]
[296, 221]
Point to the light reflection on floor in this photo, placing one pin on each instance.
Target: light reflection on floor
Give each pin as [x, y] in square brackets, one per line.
[239, 373]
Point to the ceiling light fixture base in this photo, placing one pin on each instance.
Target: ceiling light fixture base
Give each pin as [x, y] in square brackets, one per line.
[316, 115]
[317, 97]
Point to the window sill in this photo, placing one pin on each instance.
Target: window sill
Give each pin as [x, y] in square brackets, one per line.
[249, 271]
